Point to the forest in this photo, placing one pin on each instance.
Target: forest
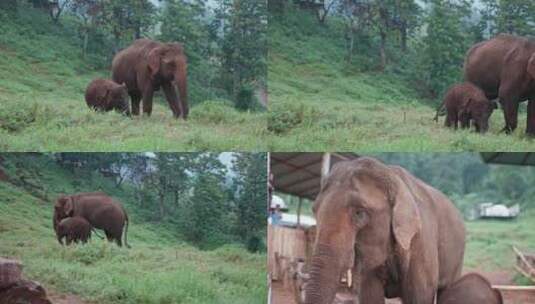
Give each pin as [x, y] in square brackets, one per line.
[50, 51]
[199, 218]
[371, 73]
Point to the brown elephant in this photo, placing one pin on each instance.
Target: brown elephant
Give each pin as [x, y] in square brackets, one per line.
[24, 291]
[106, 95]
[472, 288]
[399, 236]
[504, 67]
[465, 103]
[147, 65]
[99, 209]
[73, 229]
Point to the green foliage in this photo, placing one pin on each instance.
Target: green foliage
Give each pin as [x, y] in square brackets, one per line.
[444, 46]
[243, 44]
[251, 198]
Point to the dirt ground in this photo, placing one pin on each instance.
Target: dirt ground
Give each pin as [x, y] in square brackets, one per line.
[58, 298]
[282, 296]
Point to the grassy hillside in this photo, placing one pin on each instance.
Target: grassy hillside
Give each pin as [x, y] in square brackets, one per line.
[42, 83]
[160, 268]
[320, 103]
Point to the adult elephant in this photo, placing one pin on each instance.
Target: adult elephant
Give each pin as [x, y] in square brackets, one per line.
[147, 65]
[99, 209]
[400, 236]
[504, 67]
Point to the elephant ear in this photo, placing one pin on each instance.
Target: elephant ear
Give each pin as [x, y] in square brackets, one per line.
[531, 66]
[406, 221]
[153, 61]
[69, 206]
[465, 107]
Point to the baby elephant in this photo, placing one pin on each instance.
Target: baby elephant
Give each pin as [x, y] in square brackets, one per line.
[470, 289]
[73, 229]
[106, 95]
[464, 103]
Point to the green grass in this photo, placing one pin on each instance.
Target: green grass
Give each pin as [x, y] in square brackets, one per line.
[319, 103]
[43, 109]
[159, 268]
[489, 242]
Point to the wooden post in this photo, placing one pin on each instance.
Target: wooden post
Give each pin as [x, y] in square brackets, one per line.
[325, 166]
[299, 204]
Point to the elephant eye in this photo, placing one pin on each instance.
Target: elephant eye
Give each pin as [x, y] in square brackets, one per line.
[361, 217]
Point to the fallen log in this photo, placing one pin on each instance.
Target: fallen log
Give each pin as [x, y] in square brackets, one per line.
[10, 272]
[514, 287]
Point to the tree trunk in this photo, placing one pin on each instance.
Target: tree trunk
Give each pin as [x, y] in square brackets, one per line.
[383, 50]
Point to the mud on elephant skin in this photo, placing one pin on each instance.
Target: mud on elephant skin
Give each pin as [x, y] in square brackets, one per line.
[472, 288]
[466, 103]
[73, 229]
[99, 209]
[106, 95]
[401, 237]
[146, 66]
[504, 67]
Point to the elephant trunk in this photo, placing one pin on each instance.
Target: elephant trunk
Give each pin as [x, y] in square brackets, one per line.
[181, 81]
[324, 276]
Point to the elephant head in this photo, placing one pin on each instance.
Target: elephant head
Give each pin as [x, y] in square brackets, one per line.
[479, 109]
[117, 97]
[63, 208]
[168, 62]
[364, 212]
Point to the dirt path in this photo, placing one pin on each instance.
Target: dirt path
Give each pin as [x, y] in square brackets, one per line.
[58, 298]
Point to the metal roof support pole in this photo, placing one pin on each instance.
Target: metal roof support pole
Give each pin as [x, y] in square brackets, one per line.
[325, 166]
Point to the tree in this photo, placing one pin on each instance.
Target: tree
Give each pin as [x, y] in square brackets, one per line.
[8, 5]
[243, 43]
[508, 16]
[251, 197]
[445, 44]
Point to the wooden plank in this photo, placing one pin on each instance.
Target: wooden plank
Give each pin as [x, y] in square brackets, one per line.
[514, 288]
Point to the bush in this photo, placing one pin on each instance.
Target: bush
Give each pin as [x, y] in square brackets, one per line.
[245, 99]
[285, 116]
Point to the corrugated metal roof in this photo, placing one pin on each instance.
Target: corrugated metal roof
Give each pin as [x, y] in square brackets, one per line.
[299, 174]
[509, 158]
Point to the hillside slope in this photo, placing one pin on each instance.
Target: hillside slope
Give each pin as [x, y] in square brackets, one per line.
[320, 103]
[160, 268]
[42, 83]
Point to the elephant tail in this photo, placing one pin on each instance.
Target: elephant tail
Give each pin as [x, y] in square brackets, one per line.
[126, 231]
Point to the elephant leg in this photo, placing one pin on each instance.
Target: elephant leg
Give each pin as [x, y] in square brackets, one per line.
[147, 100]
[371, 289]
[172, 99]
[510, 112]
[530, 128]
[136, 100]
[109, 236]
